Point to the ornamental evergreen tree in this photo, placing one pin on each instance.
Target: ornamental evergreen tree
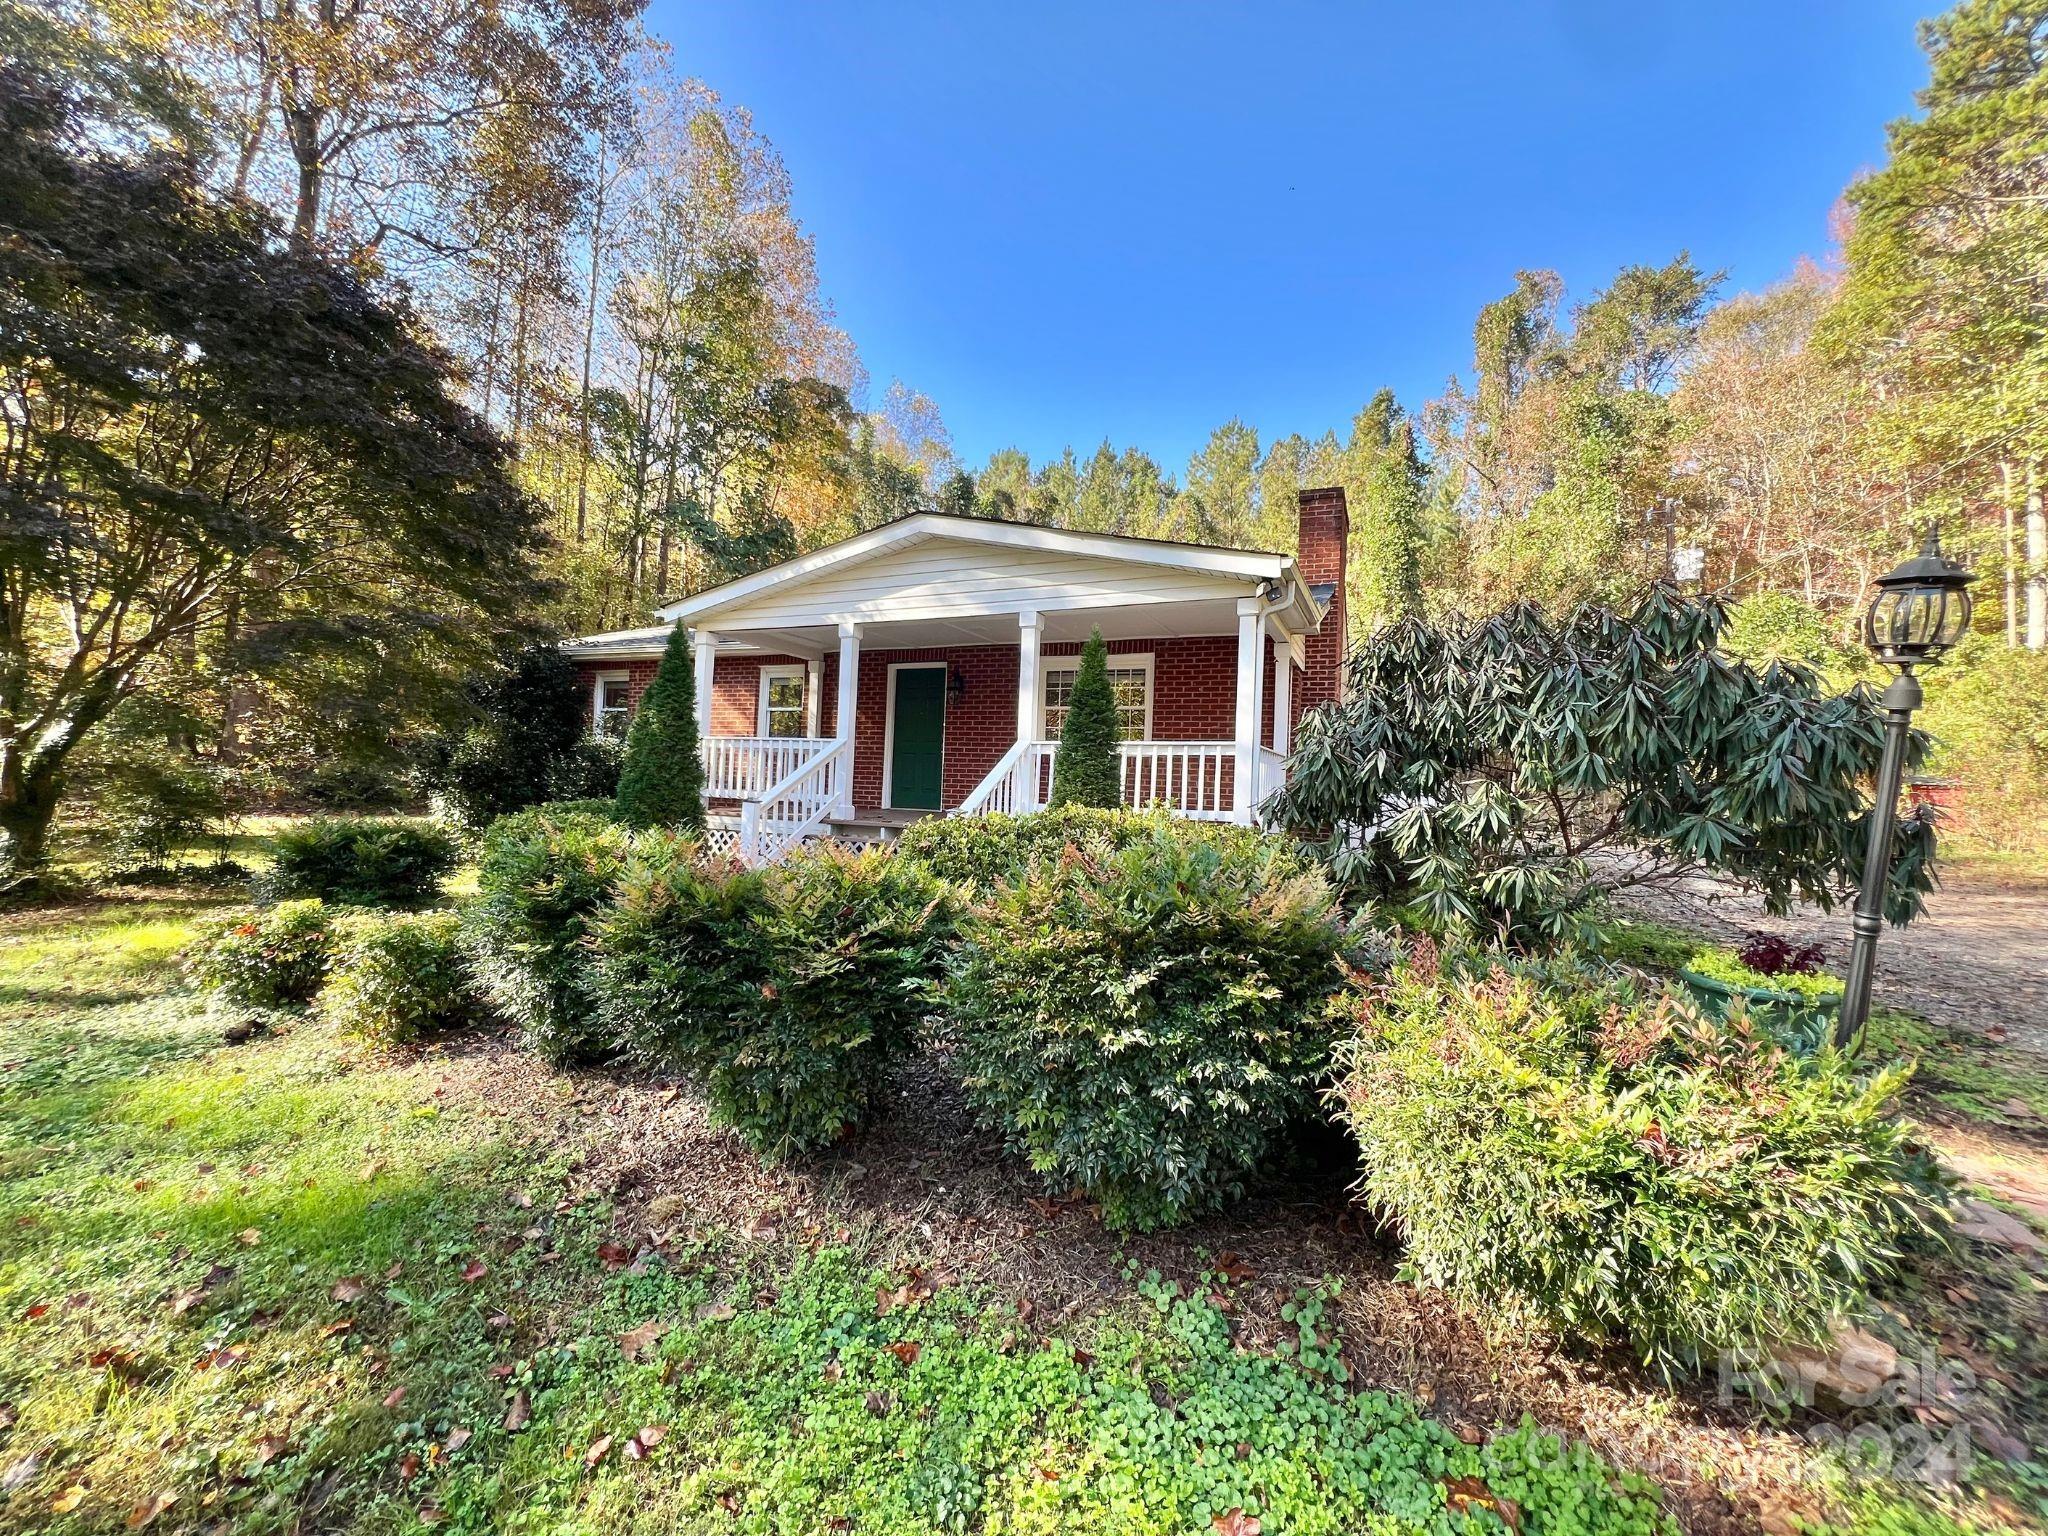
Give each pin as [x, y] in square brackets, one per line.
[662, 784]
[1087, 769]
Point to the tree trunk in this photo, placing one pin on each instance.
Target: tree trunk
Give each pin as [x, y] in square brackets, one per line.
[2012, 572]
[2037, 562]
[28, 804]
[589, 347]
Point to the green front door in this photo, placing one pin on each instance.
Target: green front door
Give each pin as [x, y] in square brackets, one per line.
[918, 740]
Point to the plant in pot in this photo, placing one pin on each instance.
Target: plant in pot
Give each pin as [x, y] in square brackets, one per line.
[1780, 984]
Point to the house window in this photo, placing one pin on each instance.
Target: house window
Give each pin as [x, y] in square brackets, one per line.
[1130, 678]
[611, 704]
[782, 702]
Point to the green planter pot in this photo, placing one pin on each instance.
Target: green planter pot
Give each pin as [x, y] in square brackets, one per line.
[1782, 1012]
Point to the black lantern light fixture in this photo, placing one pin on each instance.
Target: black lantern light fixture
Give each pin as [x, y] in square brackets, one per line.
[1920, 611]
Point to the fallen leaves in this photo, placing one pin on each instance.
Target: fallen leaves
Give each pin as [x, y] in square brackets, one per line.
[394, 1397]
[614, 1255]
[475, 1270]
[248, 1237]
[68, 1500]
[1232, 1267]
[20, 1472]
[645, 1440]
[636, 1342]
[349, 1288]
[146, 1511]
[457, 1439]
[906, 1350]
[518, 1412]
[1463, 1493]
[1235, 1522]
[599, 1449]
[916, 1287]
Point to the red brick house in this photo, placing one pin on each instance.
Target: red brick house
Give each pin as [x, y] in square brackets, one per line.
[923, 667]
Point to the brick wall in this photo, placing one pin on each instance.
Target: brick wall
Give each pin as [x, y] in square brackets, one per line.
[1325, 533]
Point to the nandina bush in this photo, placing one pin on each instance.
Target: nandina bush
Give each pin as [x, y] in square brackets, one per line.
[542, 878]
[359, 861]
[1146, 1021]
[273, 958]
[788, 992]
[982, 852]
[1576, 1147]
[396, 977]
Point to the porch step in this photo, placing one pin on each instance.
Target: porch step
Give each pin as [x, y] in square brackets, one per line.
[866, 827]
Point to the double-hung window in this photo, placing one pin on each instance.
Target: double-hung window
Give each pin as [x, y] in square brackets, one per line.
[782, 710]
[1130, 679]
[611, 704]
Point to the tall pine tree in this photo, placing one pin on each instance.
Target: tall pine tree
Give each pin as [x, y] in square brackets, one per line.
[1088, 769]
[662, 784]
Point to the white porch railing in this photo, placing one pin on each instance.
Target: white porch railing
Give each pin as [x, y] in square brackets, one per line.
[796, 807]
[1190, 778]
[748, 767]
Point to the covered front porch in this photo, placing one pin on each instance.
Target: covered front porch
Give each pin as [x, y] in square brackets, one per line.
[935, 725]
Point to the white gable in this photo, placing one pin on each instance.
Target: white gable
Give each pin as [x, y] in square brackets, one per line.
[945, 578]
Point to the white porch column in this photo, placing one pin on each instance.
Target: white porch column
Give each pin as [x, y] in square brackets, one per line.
[1251, 678]
[707, 659]
[814, 688]
[1030, 632]
[849, 697]
[1283, 694]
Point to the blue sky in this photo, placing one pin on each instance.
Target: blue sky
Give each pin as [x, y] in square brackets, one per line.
[1066, 222]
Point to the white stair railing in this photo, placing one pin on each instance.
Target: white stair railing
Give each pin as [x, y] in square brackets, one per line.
[796, 808]
[1017, 783]
[747, 767]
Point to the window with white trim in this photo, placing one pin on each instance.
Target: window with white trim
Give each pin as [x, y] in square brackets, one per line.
[781, 711]
[611, 704]
[1130, 679]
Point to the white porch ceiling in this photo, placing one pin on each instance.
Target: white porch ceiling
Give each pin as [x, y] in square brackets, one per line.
[1209, 616]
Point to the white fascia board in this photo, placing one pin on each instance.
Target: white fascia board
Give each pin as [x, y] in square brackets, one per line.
[1249, 565]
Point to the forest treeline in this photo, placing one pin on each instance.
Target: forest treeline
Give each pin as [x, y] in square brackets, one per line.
[605, 259]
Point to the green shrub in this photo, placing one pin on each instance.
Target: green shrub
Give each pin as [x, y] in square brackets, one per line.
[542, 877]
[1558, 1140]
[1144, 1022]
[521, 746]
[788, 992]
[1088, 768]
[661, 782]
[395, 977]
[274, 958]
[360, 862]
[982, 852]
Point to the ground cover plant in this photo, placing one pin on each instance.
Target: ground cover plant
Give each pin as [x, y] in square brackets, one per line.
[1146, 1022]
[1607, 1160]
[359, 861]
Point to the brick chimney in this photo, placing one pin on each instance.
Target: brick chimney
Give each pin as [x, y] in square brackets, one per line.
[1325, 533]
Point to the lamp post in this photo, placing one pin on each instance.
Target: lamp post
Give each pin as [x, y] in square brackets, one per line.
[1921, 609]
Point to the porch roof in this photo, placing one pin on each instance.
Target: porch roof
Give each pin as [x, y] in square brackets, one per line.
[933, 578]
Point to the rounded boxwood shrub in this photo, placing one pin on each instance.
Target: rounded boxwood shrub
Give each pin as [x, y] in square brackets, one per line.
[1145, 1022]
[1558, 1139]
[395, 977]
[274, 958]
[788, 992]
[542, 877]
[361, 862]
